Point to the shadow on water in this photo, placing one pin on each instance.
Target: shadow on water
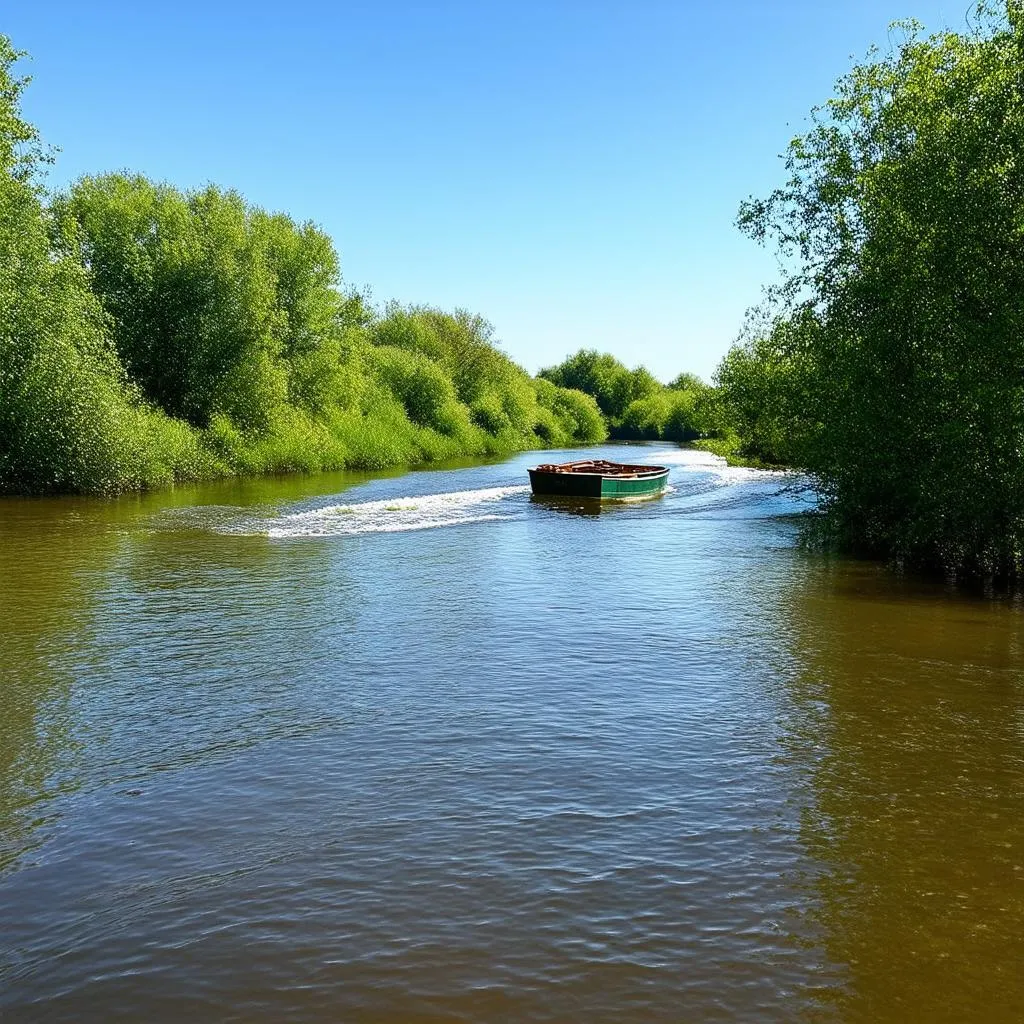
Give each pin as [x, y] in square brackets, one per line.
[587, 507]
[51, 558]
[908, 726]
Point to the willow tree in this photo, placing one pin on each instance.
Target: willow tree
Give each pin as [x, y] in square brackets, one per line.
[215, 307]
[902, 228]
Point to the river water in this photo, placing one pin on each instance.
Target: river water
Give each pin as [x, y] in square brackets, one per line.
[417, 747]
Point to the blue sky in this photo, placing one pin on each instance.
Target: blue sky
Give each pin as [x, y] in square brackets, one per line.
[569, 169]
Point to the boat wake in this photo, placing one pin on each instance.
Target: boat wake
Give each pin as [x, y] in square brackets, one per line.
[700, 485]
[395, 515]
[706, 462]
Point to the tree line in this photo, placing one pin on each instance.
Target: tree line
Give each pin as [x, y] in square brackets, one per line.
[636, 406]
[151, 335]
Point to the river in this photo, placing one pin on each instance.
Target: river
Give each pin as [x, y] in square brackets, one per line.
[416, 747]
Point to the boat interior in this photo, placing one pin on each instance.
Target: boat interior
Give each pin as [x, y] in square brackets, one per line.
[602, 467]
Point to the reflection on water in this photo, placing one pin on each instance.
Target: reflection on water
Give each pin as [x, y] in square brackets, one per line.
[421, 747]
[908, 723]
[573, 506]
[48, 560]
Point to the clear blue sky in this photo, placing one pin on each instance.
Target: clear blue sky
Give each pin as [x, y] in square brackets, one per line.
[569, 169]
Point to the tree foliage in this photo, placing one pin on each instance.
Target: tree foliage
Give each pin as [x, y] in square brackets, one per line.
[68, 418]
[215, 307]
[637, 405]
[149, 335]
[500, 397]
[766, 394]
[896, 363]
[611, 383]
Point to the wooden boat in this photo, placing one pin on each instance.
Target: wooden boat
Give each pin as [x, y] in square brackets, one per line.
[598, 478]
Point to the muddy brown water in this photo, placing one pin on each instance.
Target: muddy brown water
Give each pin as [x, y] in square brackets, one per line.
[416, 747]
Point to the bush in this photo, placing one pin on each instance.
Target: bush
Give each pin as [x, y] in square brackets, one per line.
[893, 369]
[427, 395]
[577, 414]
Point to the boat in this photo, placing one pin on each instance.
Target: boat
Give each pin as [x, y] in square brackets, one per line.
[598, 478]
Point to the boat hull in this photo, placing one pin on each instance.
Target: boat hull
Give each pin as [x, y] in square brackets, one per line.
[597, 485]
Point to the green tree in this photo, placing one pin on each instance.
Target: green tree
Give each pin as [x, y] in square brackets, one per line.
[686, 382]
[577, 415]
[601, 375]
[902, 223]
[215, 306]
[767, 389]
[68, 420]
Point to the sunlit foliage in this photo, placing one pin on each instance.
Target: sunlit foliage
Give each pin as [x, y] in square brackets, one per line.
[69, 419]
[500, 399]
[636, 405]
[895, 370]
[149, 335]
[611, 383]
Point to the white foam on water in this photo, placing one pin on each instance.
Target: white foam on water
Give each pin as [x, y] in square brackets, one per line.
[395, 515]
[739, 474]
[694, 458]
[676, 457]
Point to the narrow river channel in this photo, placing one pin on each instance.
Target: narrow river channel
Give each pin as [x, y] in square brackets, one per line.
[417, 747]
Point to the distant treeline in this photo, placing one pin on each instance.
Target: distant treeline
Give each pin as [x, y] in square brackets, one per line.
[149, 335]
[635, 405]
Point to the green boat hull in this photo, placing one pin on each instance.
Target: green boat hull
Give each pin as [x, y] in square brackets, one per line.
[596, 485]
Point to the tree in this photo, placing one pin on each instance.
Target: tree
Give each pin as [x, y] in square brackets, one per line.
[68, 421]
[901, 226]
[612, 384]
[215, 306]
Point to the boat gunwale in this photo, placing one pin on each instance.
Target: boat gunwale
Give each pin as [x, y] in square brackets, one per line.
[622, 471]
